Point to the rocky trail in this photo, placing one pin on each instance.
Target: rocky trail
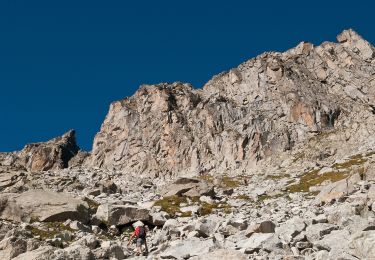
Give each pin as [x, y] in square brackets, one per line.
[274, 159]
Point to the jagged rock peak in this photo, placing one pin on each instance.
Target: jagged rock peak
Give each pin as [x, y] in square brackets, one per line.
[349, 38]
[42, 156]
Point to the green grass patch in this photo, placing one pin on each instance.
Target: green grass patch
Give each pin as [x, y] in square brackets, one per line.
[264, 197]
[242, 197]
[353, 161]
[207, 178]
[313, 178]
[171, 204]
[277, 177]
[224, 181]
[49, 230]
[208, 208]
[229, 182]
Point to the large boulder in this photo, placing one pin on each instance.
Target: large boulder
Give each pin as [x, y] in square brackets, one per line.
[11, 247]
[222, 254]
[42, 205]
[362, 245]
[290, 229]
[208, 226]
[255, 242]
[336, 243]
[111, 214]
[338, 189]
[41, 253]
[189, 187]
[188, 248]
[159, 218]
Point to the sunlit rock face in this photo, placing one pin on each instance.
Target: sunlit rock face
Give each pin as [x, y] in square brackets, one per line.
[266, 106]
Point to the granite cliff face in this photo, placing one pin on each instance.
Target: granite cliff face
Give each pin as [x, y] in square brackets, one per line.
[267, 106]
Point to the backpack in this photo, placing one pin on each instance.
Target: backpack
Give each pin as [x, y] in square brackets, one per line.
[140, 232]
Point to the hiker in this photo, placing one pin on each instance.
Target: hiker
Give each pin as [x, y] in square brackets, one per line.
[139, 235]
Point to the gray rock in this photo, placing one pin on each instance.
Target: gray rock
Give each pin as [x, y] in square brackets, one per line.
[238, 223]
[338, 189]
[159, 218]
[207, 226]
[318, 231]
[319, 219]
[255, 242]
[336, 243]
[42, 253]
[189, 187]
[362, 245]
[339, 214]
[11, 247]
[120, 214]
[41, 205]
[75, 252]
[222, 254]
[89, 241]
[262, 227]
[188, 248]
[291, 228]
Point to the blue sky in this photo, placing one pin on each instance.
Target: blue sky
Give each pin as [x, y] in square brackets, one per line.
[63, 62]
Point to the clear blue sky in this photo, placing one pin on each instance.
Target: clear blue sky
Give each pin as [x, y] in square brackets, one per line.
[62, 62]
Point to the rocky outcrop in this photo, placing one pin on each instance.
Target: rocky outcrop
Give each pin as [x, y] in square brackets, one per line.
[265, 107]
[39, 205]
[189, 187]
[54, 154]
[121, 214]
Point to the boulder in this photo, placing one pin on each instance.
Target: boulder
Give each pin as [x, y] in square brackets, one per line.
[318, 231]
[338, 214]
[238, 223]
[255, 242]
[159, 218]
[290, 229]
[108, 187]
[362, 245]
[188, 248]
[42, 205]
[262, 227]
[222, 254]
[74, 252]
[337, 189]
[336, 243]
[111, 214]
[189, 187]
[11, 247]
[207, 226]
[41, 253]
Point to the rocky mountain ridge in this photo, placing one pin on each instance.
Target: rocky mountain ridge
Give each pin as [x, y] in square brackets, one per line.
[274, 159]
[264, 107]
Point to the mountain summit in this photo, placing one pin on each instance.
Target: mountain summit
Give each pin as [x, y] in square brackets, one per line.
[265, 108]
